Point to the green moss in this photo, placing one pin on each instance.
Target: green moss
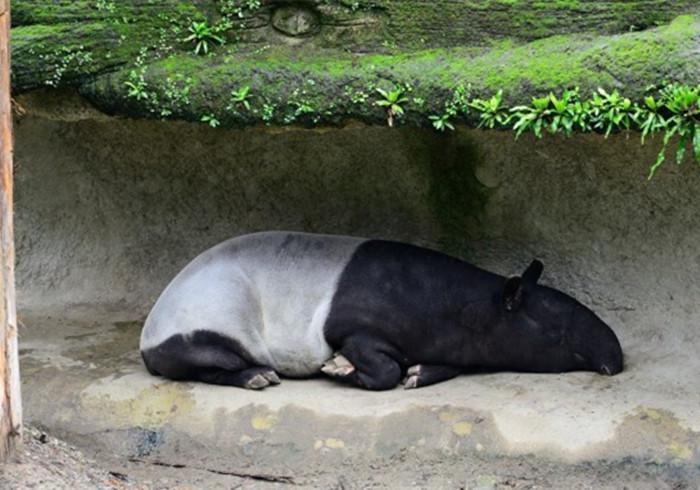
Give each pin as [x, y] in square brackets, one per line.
[333, 86]
[482, 21]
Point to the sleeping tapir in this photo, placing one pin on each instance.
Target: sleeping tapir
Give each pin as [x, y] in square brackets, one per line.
[368, 312]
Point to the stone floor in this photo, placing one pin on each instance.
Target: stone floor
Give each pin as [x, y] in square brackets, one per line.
[83, 380]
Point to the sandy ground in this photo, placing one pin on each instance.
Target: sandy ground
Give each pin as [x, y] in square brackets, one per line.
[46, 462]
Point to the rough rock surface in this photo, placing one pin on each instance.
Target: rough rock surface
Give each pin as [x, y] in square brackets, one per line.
[321, 61]
[108, 210]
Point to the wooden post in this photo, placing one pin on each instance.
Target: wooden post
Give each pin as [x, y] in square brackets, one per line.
[10, 404]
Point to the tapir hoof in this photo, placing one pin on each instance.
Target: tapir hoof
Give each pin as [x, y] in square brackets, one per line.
[257, 382]
[262, 379]
[338, 366]
[412, 377]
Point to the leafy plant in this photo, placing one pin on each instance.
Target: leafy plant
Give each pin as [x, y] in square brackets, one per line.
[300, 102]
[203, 36]
[493, 112]
[240, 97]
[268, 112]
[237, 10]
[62, 59]
[531, 118]
[611, 112]
[648, 118]
[551, 113]
[673, 111]
[136, 82]
[238, 7]
[176, 94]
[442, 122]
[211, 120]
[356, 96]
[457, 105]
[391, 101]
[106, 6]
[136, 85]
[682, 106]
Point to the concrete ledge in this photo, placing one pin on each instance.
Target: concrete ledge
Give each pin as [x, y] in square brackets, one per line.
[83, 379]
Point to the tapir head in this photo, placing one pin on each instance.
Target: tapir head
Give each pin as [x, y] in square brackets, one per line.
[546, 330]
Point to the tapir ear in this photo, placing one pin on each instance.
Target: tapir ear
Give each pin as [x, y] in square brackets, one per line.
[533, 272]
[513, 293]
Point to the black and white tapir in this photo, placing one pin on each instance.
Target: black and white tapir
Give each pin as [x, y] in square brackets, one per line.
[369, 312]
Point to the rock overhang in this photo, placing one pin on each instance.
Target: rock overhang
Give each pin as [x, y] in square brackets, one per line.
[319, 62]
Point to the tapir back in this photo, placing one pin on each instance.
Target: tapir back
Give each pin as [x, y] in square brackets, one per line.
[270, 292]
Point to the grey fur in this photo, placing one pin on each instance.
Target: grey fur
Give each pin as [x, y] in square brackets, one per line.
[271, 292]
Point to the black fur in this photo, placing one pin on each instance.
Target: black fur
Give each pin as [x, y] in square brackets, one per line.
[203, 356]
[399, 305]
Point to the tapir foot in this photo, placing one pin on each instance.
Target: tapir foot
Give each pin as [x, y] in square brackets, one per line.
[260, 378]
[424, 375]
[412, 375]
[254, 378]
[366, 362]
[338, 366]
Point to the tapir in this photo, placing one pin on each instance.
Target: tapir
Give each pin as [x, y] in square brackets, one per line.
[372, 313]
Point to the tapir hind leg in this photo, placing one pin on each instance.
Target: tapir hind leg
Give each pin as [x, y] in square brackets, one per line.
[253, 378]
[208, 357]
[374, 362]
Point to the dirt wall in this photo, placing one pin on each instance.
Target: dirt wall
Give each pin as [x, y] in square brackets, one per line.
[108, 209]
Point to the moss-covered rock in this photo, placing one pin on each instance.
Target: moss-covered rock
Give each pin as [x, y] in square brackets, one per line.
[130, 58]
[303, 86]
[366, 24]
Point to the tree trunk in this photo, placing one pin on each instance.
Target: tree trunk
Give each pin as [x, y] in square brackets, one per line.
[10, 407]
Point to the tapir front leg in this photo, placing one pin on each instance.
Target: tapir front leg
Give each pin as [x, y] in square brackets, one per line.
[371, 363]
[424, 375]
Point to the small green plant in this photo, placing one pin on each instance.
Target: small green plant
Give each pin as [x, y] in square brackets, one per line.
[241, 96]
[211, 120]
[358, 97]
[237, 10]
[106, 6]
[673, 111]
[442, 122]
[648, 117]
[136, 80]
[238, 7]
[391, 102]
[203, 36]
[268, 112]
[681, 106]
[176, 94]
[551, 113]
[62, 60]
[300, 103]
[610, 112]
[493, 113]
[136, 85]
[456, 106]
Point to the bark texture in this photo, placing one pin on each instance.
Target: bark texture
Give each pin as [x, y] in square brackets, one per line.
[10, 407]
